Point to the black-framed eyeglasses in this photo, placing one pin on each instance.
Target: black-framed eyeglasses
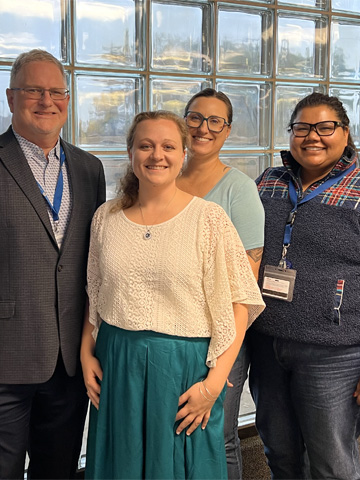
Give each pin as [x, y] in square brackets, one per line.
[214, 123]
[323, 129]
[36, 92]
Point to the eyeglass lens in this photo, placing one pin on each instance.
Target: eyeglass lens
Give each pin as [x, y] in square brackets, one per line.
[321, 128]
[37, 93]
[195, 120]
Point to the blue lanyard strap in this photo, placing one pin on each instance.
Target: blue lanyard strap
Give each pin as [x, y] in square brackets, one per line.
[55, 206]
[294, 200]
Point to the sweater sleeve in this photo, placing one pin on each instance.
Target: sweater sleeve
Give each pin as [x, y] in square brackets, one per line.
[94, 278]
[228, 279]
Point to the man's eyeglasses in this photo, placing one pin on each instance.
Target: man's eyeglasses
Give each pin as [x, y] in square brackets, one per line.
[323, 129]
[38, 93]
[214, 123]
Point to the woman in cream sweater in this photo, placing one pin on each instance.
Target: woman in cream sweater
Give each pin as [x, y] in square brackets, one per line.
[171, 294]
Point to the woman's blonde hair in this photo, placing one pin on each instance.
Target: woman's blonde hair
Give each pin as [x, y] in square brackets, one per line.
[129, 183]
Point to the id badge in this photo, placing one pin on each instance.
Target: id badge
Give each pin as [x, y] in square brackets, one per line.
[278, 283]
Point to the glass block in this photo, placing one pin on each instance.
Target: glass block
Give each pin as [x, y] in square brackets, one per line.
[262, 1]
[110, 32]
[252, 113]
[318, 4]
[181, 36]
[244, 40]
[301, 47]
[5, 114]
[347, 6]
[105, 107]
[247, 406]
[28, 24]
[66, 131]
[173, 94]
[286, 98]
[251, 165]
[345, 50]
[114, 168]
[350, 97]
[277, 161]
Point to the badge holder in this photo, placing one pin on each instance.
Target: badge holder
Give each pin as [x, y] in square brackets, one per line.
[279, 282]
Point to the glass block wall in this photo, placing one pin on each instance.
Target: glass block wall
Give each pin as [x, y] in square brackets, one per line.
[125, 56]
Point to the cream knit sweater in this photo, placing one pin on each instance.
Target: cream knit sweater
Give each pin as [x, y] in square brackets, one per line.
[182, 281]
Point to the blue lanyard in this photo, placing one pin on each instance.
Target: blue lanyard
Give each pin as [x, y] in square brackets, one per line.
[294, 200]
[55, 206]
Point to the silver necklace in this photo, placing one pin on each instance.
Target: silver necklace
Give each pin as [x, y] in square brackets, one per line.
[147, 235]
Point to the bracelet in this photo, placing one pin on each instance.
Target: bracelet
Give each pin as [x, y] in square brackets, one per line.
[207, 391]
[203, 394]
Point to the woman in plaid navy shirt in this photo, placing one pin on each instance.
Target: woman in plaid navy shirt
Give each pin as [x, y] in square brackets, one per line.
[305, 364]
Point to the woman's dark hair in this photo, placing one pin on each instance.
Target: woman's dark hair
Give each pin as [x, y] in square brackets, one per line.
[129, 183]
[210, 92]
[316, 99]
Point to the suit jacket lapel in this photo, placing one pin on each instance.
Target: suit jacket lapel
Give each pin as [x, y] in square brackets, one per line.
[15, 162]
[72, 163]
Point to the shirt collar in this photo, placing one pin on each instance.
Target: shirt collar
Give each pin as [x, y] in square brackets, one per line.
[35, 149]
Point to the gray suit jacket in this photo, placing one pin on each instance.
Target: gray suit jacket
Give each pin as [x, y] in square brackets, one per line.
[42, 288]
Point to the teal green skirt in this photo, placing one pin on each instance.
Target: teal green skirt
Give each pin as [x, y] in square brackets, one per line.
[132, 435]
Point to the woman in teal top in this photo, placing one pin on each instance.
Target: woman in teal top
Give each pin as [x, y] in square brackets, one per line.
[208, 115]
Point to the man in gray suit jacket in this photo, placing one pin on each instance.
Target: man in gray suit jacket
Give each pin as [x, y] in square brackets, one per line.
[49, 191]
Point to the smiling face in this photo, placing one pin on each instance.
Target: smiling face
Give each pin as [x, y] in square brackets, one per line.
[39, 121]
[157, 153]
[204, 143]
[318, 155]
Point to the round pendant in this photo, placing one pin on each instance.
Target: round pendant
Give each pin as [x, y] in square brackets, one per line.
[147, 235]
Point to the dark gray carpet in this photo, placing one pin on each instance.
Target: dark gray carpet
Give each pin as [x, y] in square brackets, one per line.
[254, 460]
